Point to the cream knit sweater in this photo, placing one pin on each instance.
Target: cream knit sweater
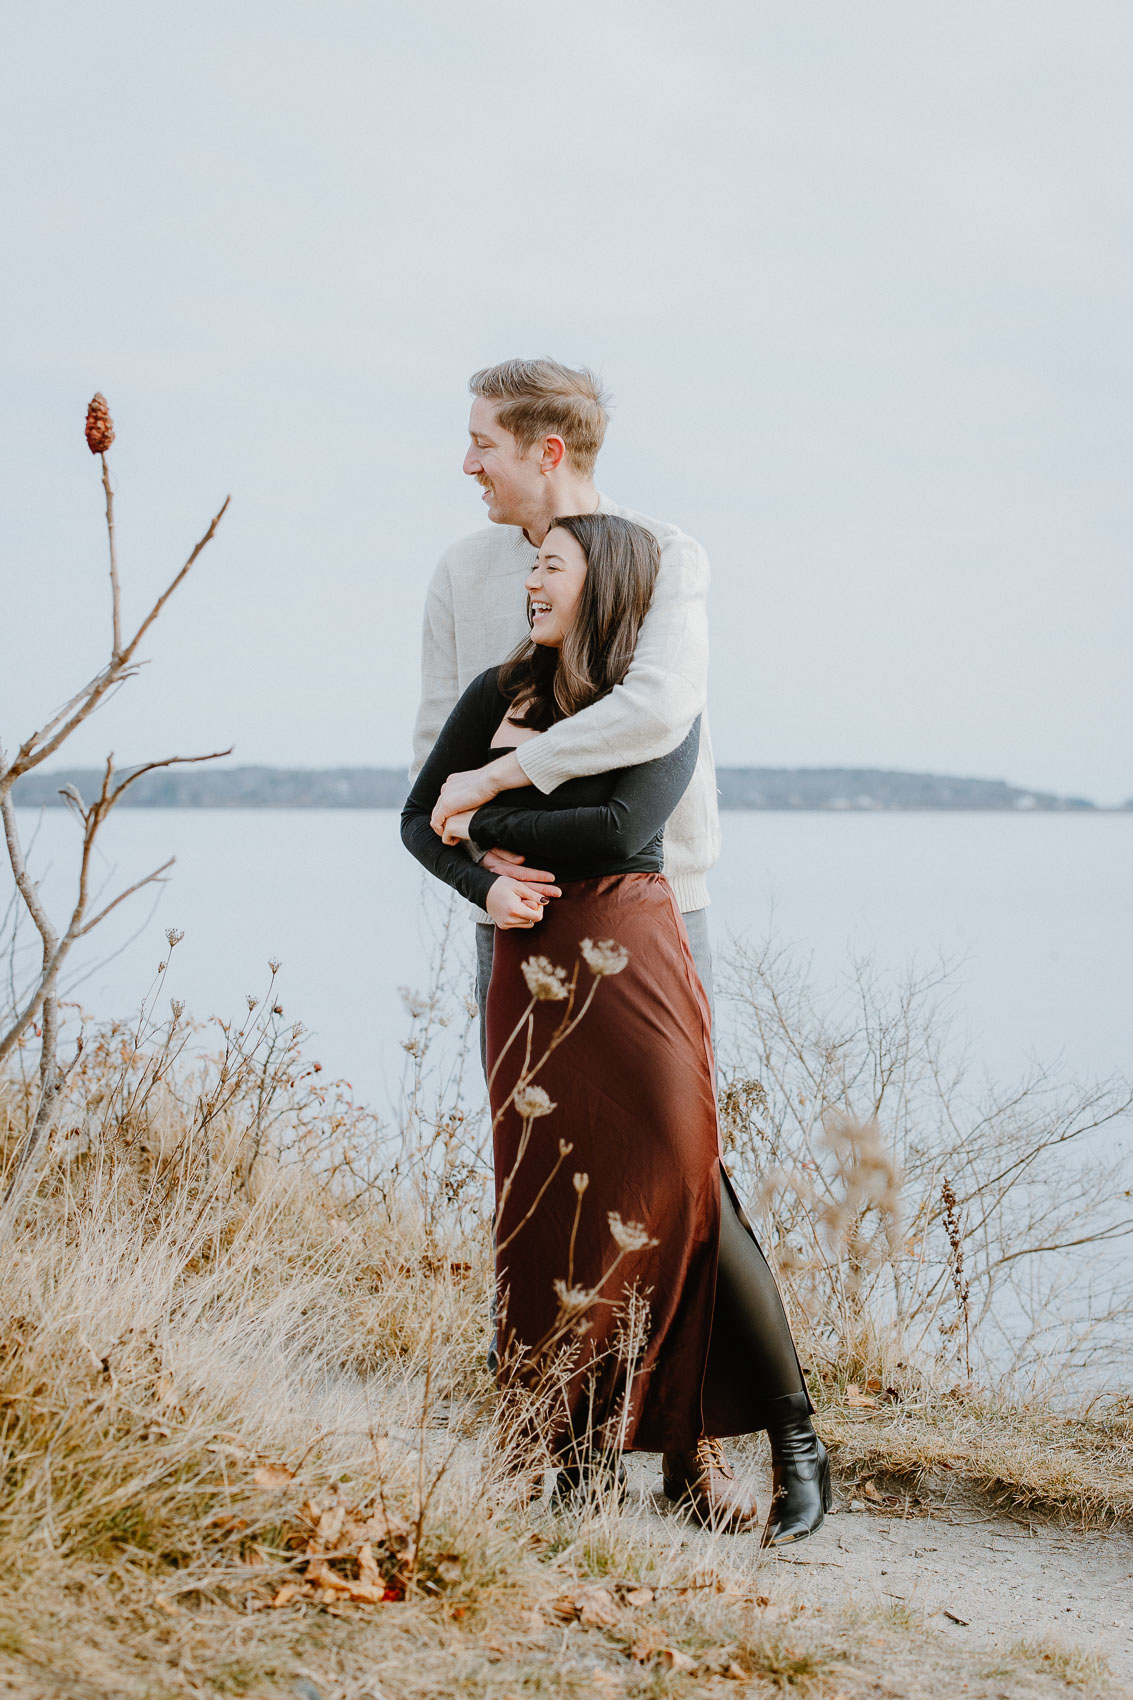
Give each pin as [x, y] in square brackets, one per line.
[476, 614]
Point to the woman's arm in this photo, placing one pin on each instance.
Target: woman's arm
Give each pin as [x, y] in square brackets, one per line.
[463, 742]
[641, 802]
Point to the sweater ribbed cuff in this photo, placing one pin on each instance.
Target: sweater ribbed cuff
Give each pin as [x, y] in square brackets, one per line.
[537, 766]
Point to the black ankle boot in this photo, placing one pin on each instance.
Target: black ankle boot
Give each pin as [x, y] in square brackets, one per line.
[801, 1472]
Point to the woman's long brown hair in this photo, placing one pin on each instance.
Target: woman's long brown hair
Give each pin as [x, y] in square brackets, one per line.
[622, 562]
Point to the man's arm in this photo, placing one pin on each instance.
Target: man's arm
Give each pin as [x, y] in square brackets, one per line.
[643, 718]
[440, 685]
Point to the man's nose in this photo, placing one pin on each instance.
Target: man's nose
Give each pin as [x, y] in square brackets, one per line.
[472, 463]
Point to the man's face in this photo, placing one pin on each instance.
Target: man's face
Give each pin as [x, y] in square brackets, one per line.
[508, 474]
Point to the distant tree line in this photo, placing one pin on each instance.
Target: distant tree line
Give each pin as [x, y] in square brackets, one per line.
[843, 788]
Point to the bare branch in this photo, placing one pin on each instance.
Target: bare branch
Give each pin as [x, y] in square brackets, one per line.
[156, 878]
[169, 761]
[120, 667]
[25, 885]
[36, 748]
[127, 653]
[115, 595]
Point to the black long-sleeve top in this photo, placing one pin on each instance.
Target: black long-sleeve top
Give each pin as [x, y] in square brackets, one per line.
[607, 823]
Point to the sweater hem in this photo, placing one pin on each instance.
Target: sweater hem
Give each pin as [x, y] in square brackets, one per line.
[690, 891]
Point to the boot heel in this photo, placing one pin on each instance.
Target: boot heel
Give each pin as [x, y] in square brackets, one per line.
[824, 1478]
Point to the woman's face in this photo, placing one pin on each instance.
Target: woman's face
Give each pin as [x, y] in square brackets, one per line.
[555, 588]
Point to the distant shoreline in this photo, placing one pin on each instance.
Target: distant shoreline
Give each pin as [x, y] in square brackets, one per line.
[833, 790]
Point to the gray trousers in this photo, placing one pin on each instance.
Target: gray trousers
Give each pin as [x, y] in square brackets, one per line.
[696, 925]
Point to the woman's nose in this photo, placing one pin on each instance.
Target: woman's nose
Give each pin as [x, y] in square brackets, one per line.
[532, 584]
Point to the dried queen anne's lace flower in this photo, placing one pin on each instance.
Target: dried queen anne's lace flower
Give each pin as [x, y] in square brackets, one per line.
[544, 981]
[532, 1101]
[572, 1299]
[629, 1236]
[604, 956]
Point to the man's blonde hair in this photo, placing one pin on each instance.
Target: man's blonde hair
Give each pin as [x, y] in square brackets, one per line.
[540, 398]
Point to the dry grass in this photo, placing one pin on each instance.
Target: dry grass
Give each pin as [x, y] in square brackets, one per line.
[930, 1230]
[1023, 1457]
[245, 1428]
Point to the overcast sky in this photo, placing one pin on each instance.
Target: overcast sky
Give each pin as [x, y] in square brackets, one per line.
[858, 277]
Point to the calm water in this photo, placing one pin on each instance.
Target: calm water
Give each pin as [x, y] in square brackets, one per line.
[1035, 912]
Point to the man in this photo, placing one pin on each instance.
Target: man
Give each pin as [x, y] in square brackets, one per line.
[535, 430]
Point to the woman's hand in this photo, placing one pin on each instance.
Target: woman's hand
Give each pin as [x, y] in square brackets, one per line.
[511, 903]
[456, 827]
[467, 791]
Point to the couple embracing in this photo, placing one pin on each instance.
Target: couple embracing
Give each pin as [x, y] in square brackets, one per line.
[565, 787]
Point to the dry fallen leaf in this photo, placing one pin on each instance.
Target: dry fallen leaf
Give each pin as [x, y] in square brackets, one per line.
[861, 1401]
[638, 1596]
[330, 1525]
[320, 1573]
[289, 1592]
[673, 1659]
[273, 1476]
[590, 1604]
[870, 1491]
[332, 1584]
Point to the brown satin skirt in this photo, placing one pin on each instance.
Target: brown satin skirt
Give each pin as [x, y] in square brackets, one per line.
[634, 1094]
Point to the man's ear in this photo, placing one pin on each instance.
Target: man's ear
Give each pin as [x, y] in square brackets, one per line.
[552, 454]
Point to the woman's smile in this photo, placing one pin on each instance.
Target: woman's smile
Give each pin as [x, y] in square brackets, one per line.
[554, 588]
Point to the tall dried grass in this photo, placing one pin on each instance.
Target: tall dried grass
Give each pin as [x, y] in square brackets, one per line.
[928, 1227]
[242, 1336]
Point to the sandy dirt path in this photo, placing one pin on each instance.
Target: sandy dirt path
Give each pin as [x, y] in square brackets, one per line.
[987, 1581]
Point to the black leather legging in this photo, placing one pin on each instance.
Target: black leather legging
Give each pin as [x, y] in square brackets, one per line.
[750, 1331]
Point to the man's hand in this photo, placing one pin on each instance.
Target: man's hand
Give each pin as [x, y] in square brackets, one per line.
[510, 861]
[468, 791]
[511, 903]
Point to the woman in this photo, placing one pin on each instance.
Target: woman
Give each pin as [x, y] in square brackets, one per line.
[630, 1265]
